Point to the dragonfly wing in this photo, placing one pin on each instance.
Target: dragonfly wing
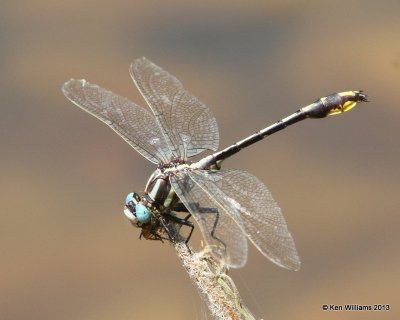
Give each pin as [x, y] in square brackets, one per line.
[229, 243]
[245, 196]
[134, 124]
[187, 124]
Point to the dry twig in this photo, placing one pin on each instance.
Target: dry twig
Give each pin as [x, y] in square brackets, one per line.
[216, 288]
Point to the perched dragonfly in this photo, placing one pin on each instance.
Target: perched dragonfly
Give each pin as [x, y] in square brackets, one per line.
[230, 206]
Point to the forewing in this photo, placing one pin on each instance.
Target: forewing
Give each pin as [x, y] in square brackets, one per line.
[233, 248]
[134, 124]
[187, 124]
[243, 195]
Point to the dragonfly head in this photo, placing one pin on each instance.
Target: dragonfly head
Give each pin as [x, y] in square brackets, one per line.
[135, 210]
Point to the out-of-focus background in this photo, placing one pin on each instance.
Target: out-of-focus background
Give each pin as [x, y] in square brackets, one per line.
[66, 250]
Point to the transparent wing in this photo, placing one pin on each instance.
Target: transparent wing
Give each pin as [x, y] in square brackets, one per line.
[134, 124]
[228, 243]
[248, 201]
[187, 124]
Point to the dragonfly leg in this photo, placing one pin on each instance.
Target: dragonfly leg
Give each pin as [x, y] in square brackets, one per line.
[180, 207]
[166, 228]
[152, 235]
[183, 222]
[214, 228]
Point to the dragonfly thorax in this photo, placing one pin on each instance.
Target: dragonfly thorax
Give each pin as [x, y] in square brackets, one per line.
[159, 191]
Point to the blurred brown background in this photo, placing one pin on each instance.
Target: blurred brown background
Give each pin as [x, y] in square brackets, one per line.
[66, 250]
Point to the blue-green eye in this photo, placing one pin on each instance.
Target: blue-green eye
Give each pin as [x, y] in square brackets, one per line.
[142, 213]
[129, 198]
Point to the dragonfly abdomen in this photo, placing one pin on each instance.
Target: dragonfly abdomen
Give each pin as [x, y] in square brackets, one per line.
[333, 104]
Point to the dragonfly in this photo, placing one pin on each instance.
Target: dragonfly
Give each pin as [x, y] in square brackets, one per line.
[230, 206]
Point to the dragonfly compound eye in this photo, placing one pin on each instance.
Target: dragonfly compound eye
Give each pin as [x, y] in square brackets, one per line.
[130, 207]
[132, 199]
[142, 213]
[131, 215]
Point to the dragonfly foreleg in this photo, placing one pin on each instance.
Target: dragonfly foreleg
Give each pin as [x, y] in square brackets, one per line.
[166, 228]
